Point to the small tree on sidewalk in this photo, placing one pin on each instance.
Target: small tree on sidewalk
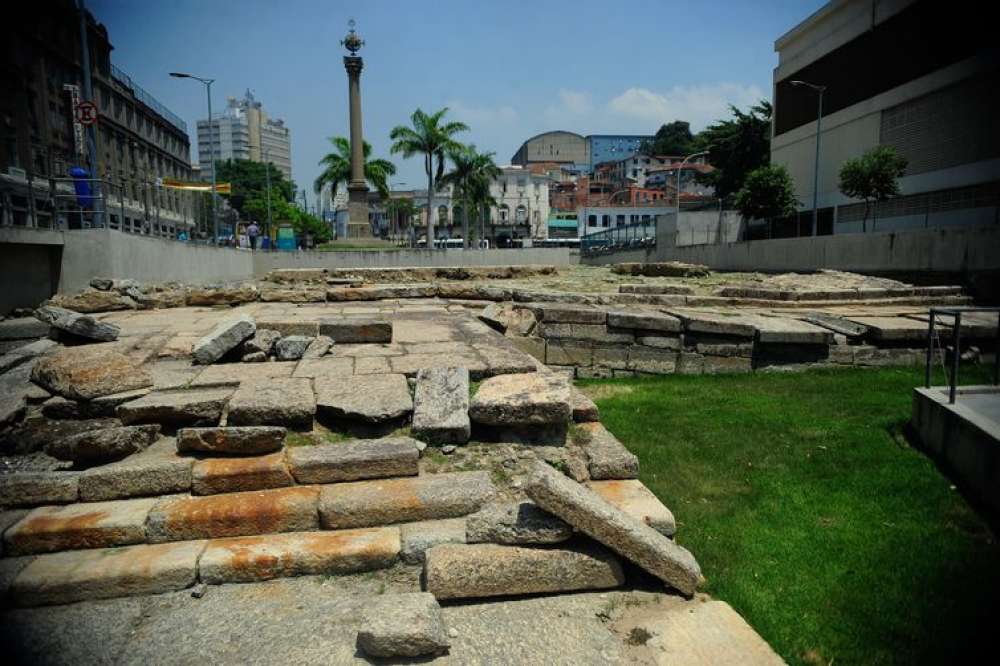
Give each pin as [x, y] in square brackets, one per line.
[767, 193]
[872, 177]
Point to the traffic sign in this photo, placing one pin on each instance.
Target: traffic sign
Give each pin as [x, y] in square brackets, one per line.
[85, 113]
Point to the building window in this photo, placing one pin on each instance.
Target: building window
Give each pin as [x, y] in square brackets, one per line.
[504, 213]
[522, 214]
[591, 220]
[645, 218]
[605, 220]
[619, 220]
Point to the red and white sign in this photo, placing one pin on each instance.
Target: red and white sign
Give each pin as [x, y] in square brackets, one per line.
[85, 113]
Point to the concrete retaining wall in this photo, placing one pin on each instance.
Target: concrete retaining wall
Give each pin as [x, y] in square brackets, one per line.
[93, 252]
[263, 262]
[936, 250]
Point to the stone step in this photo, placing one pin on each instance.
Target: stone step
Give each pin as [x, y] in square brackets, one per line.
[354, 460]
[178, 407]
[257, 558]
[234, 514]
[247, 440]
[230, 475]
[158, 470]
[632, 497]
[74, 526]
[459, 571]
[383, 502]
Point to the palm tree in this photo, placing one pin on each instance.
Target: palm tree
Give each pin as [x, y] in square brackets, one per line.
[337, 168]
[400, 209]
[431, 138]
[471, 177]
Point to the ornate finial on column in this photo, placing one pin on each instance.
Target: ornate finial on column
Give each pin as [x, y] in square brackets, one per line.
[352, 42]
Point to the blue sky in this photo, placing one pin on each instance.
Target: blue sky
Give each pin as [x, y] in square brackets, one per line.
[508, 69]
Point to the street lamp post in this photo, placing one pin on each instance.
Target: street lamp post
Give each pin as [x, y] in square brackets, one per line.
[819, 120]
[211, 141]
[680, 169]
[267, 177]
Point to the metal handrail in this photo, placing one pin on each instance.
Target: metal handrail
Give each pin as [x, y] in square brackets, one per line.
[956, 313]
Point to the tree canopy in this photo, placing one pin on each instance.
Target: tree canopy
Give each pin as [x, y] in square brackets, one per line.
[872, 177]
[736, 146]
[671, 139]
[471, 176]
[767, 193]
[337, 168]
[249, 181]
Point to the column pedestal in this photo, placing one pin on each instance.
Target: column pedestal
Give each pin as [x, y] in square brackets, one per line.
[357, 212]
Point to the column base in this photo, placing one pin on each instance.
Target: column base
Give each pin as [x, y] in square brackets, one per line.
[357, 213]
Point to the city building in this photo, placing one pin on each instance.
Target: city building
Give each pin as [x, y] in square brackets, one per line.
[139, 142]
[576, 152]
[592, 219]
[917, 75]
[244, 131]
[522, 209]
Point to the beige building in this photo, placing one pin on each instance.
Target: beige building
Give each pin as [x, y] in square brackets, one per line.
[244, 131]
[916, 75]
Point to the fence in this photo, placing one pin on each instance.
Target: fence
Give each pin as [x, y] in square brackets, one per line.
[626, 237]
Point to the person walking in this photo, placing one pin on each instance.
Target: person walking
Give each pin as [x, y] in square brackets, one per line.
[253, 231]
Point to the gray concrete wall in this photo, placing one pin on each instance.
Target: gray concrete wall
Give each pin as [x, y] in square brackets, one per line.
[95, 252]
[953, 250]
[263, 262]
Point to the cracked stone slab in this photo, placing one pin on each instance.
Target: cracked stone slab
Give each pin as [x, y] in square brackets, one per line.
[514, 524]
[522, 400]
[354, 460]
[223, 338]
[441, 406]
[81, 325]
[365, 398]
[284, 401]
[343, 331]
[638, 501]
[177, 407]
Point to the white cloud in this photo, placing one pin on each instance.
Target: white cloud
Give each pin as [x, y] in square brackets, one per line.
[480, 116]
[569, 103]
[700, 105]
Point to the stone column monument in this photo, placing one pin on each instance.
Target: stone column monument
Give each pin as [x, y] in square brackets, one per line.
[357, 188]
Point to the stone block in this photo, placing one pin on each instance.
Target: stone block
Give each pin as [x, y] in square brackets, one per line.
[717, 365]
[535, 347]
[34, 488]
[156, 471]
[24, 354]
[645, 321]
[63, 578]
[233, 514]
[660, 341]
[262, 341]
[620, 532]
[77, 324]
[417, 537]
[725, 349]
[291, 347]
[455, 571]
[230, 475]
[590, 332]
[23, 328]
[327, 367]
[288, 402]
[386, 501]
[257, 558]
[515, 523]
[354, 460]
[227, 374]
[403, 625]
[177, 407]
[292, 327]
[319, 347]
[90, 371]
[553, 314]
[103, 445]
[222, 295]
[504, 359]
[652, 360]
[237, 440]
[364, 398]
[522, 400]
[441, 406]
[562, 352]
[223, 338]
[82, 525]
[607, 458]
[584, 409]
[790, 331]
[343, 331]
[718, 323]
[292, 295]
[690, 364]
[9, 518]
[632, 497]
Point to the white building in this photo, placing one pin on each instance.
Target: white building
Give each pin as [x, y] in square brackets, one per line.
[918, 75]
[592, 219]
[244, 131]
[522, 209]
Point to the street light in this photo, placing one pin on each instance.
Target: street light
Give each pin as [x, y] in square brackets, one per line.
[819, 119]
[211, 140]
[267, 176]
[679, 170]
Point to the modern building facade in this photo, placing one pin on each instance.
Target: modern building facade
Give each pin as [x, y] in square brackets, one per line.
[139, 142]
[576, 151]
[244, 131]
[917, 75]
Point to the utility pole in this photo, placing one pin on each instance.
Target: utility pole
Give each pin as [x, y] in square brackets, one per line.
[819, 120]
[267, 177]
[91, 131]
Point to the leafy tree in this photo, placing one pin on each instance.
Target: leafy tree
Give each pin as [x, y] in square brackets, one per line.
[285, 212]
[400, 210]
[471, 171]
[337, 168]
[767, 193]
[736, 147]
[872, 177]
[671, 139]
[249, 181]
[434, 139]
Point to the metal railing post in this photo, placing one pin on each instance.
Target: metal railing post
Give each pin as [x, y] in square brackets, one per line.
[955, 358]
[930, 350]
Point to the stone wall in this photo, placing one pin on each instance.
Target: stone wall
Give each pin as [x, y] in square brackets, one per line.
[265, 262]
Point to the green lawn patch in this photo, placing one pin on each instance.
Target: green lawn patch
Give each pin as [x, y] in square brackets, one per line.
[810, 513]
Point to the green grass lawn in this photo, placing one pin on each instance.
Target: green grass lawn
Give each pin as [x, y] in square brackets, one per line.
[809, 512]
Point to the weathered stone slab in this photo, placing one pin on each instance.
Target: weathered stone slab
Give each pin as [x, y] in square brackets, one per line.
[365, 398]
[292, 347]
[83, 525]
[608, 458]
[319, 346]
[790, 331]
[403, 625]
[241, 373]
[75, 323]
[292, 295]
[411, 364]
[638, 501]
[13, 516]
[34, 488]
[660, 341]
[14, 389]
[256, 558]
[354, 460]
[675, 289]
[156, 471]
[223, 338]
[230, 475]
[281, 401]
[63, 578]
[720, 323]
[386, 501]
[238, 440]
[651, 360]
[24, 353]
[104, 445]
[898, 329]
[262, 341]
[591, 332]
[836, 324]
[222, 295]
[569, 352]
[515, 523]
[23, 328]
[584, 409]
[555, 314]
[10, 569]
[661, 269]
[646, 321]
[620, 532]
[177, 407]
[327, 367]
[291, 327]
[455, 571]
[234, 514]
[417, 537]
[297, 274]
[93, 300]
[522, 400]
[343, 331]
[441, 406]
[535, 347]
[90, 371]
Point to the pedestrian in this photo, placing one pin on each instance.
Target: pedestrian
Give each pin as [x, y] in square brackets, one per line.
[252, 231]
